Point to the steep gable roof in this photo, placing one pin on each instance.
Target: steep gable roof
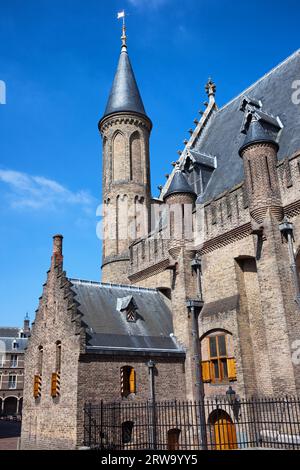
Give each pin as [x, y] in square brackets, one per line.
[223, 137]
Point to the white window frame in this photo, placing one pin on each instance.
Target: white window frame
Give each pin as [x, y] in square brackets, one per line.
[13, 363]
[2, 360]
[15, 382]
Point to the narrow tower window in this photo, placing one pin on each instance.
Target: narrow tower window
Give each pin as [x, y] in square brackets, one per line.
[119, 157]
[136, 173]
[250, 175]
[268, 171]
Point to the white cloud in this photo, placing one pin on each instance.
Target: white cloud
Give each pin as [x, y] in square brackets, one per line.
[148, 3]
[38, 192]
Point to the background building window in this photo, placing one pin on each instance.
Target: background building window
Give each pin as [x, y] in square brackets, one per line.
[128, 381]
[14, 360]
[12, 382]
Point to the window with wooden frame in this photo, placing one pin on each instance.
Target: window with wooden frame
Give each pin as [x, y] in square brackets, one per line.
[37, 380]
[219, 368]
[128, 381]
[55, 377]
[218, 358]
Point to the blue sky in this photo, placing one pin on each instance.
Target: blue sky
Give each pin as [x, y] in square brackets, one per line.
[57, 58]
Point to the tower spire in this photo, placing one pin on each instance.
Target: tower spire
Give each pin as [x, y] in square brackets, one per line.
[124, 95]
[122, 15]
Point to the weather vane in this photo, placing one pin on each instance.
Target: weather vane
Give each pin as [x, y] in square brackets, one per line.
[122, 15]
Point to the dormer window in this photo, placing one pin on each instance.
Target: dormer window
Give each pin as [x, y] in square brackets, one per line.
[15, 344]
[128, 307]
[199, 168]
[130, 314]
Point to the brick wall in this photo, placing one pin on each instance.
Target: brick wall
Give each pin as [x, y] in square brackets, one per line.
[50, 423]
[99, 379]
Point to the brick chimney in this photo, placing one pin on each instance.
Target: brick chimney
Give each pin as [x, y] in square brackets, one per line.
[57, 256]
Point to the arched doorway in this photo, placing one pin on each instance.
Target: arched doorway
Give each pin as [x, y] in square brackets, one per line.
[173, 439]
[10, 406]
[223, 431]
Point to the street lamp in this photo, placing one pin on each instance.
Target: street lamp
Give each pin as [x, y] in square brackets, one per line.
[151, 368]
[234, 402]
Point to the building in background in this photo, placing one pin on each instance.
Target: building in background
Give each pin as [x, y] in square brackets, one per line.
[13, 342]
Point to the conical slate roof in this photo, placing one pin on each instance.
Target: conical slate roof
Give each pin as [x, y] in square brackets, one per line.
[179, 184]
[257, 133]
[124, 95]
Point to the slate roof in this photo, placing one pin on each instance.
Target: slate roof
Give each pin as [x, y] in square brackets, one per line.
[9, 331]
[222, 137]
[179, 185]
[107, 327]
[6, 344]
[124, 95]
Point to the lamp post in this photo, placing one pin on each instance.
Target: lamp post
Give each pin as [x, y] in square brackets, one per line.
[194, 309]
[151, 367]
[197, 267]
[287, 230]
[234, 402]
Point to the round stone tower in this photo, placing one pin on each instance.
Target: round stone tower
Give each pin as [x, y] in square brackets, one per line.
[125, 130]
[259, 154]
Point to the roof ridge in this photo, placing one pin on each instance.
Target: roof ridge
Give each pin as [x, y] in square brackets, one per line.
[108, 284]
[10, 327]
[286, 60]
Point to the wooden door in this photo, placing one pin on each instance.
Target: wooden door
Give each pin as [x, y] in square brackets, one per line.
[173, 439]
[225, 434]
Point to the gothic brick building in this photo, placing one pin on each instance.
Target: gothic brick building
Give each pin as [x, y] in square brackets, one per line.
[202, 280]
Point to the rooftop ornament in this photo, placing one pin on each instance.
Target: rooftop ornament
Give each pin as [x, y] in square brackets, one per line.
[210, 89]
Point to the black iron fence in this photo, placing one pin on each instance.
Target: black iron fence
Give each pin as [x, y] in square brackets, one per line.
[217, 424]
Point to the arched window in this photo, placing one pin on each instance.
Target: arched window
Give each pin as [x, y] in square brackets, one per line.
[218, 363]
[55, 378]
[128, 381]
[10, 406]
[119, 157]
[40, 360]
[136, 172]
[105, 163]
[37, 382]
[58, 356]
